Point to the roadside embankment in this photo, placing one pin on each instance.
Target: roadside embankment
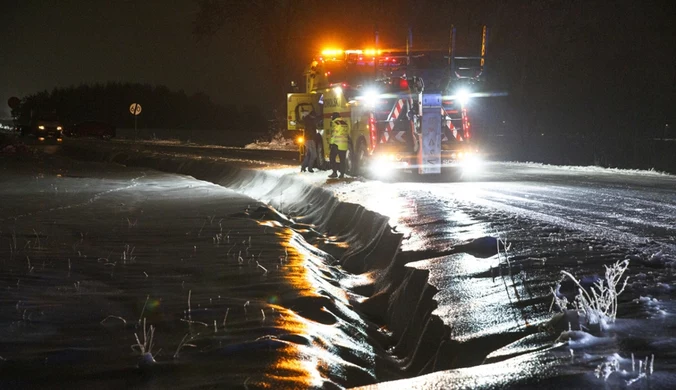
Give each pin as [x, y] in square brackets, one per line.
[394, 300]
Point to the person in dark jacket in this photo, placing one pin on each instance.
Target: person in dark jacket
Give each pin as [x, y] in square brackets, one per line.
[310, 123]
[319, 144]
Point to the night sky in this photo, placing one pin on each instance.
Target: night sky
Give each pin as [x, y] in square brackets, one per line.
[567, 55]
[61, 43]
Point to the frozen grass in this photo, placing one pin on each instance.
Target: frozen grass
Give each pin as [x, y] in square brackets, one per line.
[185, 342]
[144, 309]
[613, 365]
[225, 318]
[111, 317]
[506, 247]
[145, 348]
[128, 254]
[598, 304]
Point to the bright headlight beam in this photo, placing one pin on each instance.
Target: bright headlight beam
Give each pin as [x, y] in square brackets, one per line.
[370, 97]
[463, 96]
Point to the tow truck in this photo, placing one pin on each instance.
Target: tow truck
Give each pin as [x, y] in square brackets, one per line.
[407, 109]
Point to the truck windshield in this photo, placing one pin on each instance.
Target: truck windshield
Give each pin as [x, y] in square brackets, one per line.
[353, 74]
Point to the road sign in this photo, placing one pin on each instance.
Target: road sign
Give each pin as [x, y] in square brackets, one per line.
[14, 102]
[135, 108]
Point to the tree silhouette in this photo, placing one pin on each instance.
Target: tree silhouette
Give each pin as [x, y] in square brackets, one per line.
[162, 108]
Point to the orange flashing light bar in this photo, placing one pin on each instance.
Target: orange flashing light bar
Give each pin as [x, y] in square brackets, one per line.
[332, 52]
[336, 52]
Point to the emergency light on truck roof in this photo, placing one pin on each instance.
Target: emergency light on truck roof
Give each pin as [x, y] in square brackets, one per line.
[335, 52]
[332, 52]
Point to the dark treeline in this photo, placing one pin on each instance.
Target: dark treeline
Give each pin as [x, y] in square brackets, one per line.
[162, 108]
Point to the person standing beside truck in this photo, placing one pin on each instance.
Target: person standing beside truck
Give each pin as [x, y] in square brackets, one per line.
[338, 144]
[310, 124]
[319, 144]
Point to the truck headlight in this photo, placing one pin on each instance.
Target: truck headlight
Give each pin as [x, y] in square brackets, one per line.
[463, 96]
[370, 97]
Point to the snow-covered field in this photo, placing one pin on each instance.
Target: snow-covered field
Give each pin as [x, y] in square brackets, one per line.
[219, 289]
[482, 256]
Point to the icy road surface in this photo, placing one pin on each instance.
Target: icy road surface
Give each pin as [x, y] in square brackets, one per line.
[635, 208]
[552, 218]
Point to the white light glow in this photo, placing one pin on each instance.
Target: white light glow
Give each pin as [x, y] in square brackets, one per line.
[381, 167]
[463, 96]
[472, 164]
[370, 97]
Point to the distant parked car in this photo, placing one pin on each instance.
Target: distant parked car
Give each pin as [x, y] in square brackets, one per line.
[92, 129]
[42, 127]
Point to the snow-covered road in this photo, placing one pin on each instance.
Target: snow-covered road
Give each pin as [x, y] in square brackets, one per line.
[552, 218]
[628, 207]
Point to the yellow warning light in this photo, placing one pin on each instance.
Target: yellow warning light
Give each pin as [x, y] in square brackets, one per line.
[371, 52]
[300, 140]
[332, 52]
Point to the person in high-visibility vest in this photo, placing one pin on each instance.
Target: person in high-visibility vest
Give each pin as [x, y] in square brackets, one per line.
[340, 130]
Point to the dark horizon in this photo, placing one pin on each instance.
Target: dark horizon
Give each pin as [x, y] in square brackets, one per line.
[596, 60]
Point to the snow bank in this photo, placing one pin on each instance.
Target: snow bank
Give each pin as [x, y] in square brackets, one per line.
[275, 144]
[594, 169]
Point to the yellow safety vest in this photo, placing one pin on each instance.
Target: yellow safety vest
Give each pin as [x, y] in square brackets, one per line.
[339, 132]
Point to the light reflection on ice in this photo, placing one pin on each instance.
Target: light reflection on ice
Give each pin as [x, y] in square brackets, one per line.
[473, 296]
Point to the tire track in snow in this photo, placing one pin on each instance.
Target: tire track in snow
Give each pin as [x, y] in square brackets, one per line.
[577, 218]
[565, 200]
